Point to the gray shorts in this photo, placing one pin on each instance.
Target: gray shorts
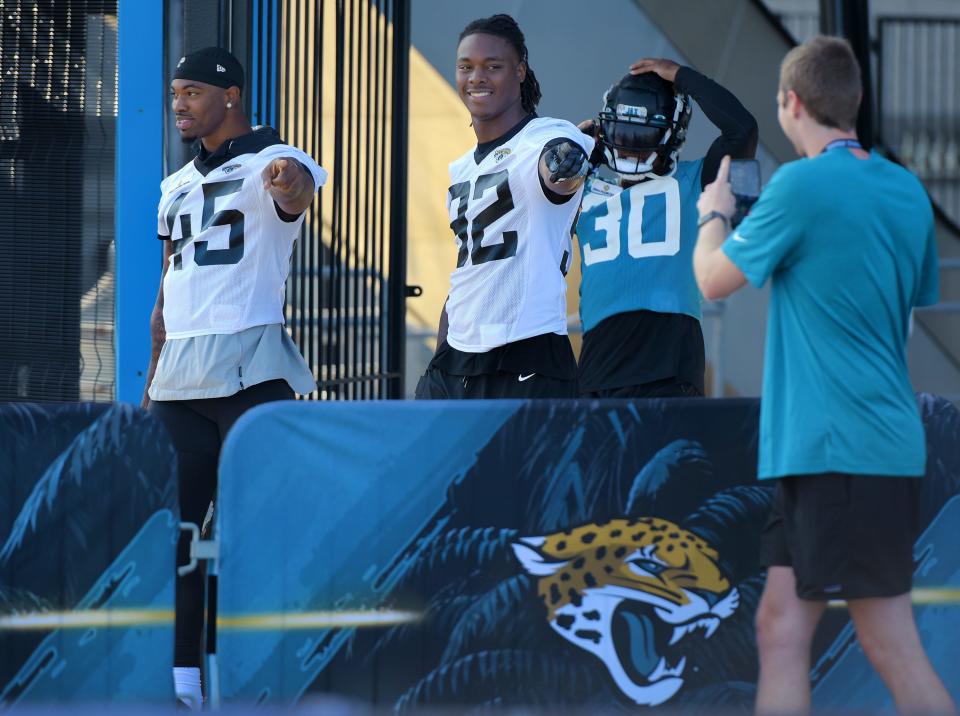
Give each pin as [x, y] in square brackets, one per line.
[221, 364]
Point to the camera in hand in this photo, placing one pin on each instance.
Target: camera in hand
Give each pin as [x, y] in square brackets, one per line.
[745, 184]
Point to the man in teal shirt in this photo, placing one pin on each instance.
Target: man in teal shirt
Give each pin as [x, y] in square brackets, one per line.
[847, 241]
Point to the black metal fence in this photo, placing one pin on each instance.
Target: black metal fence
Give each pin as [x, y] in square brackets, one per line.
[919, 101]
[339, 69]
[918, 92]
[58, 108]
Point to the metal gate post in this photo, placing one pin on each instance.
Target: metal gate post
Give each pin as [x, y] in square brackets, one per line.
[397, 302]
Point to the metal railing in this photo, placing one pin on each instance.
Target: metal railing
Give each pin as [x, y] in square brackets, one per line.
[918, 94]
[919, 101]
[58, 109]
[333, 80]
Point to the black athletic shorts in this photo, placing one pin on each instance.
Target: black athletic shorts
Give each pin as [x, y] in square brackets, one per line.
[667, 388]
[437, 384]
[639, 349]
[846, 536]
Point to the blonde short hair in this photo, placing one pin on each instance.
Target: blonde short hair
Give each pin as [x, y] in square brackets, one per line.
[825, 75]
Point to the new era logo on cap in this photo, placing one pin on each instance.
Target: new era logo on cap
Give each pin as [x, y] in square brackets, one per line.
[212, 65]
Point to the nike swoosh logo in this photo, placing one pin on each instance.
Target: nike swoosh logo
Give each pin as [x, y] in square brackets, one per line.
[522, 378]
[739, 239]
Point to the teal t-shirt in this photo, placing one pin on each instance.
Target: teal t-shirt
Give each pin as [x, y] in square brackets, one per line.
[850, 249]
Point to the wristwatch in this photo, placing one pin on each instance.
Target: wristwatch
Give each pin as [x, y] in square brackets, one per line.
[711, 215]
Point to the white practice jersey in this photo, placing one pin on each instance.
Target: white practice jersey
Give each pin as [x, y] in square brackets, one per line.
[513, 242]
[231, 248]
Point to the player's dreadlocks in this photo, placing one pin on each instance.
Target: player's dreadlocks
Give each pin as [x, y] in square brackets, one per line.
[506, 27]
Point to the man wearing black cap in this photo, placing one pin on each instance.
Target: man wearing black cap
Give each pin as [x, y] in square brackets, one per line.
[228, 220]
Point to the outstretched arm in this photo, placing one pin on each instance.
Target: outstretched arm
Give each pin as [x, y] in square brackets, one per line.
[563, 166]
[290, 185]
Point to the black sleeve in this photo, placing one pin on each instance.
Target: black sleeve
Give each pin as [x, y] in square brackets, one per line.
[284, 216]
[738, 128]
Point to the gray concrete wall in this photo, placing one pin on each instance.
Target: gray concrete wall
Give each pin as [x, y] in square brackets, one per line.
[577, 49]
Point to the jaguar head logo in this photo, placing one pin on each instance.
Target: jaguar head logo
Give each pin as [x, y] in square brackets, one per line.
[637, 594]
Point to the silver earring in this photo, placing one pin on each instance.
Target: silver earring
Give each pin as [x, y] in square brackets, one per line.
[229, 105]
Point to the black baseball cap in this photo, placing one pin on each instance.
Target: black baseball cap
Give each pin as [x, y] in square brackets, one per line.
[212, 65]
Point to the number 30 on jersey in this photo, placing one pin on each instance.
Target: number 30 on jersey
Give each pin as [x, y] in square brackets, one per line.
[599, 235]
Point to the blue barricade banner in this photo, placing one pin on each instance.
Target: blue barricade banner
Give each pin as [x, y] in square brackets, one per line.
[509, 553]
[88, 527]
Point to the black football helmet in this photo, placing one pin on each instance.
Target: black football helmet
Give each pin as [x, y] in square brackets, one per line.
[643, 119]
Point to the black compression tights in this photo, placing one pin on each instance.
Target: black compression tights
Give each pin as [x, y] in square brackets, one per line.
[197, 429]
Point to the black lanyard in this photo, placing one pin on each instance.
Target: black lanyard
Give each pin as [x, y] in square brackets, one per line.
[842, 143]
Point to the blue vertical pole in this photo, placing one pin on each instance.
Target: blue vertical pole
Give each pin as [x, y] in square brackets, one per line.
[274, 69]
[139, 170]
[264, 71]
[253, 71]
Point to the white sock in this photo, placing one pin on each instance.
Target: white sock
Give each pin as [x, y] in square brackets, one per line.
[186, 683]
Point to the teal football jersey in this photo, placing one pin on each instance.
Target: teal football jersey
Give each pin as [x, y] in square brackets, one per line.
[636, 246]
